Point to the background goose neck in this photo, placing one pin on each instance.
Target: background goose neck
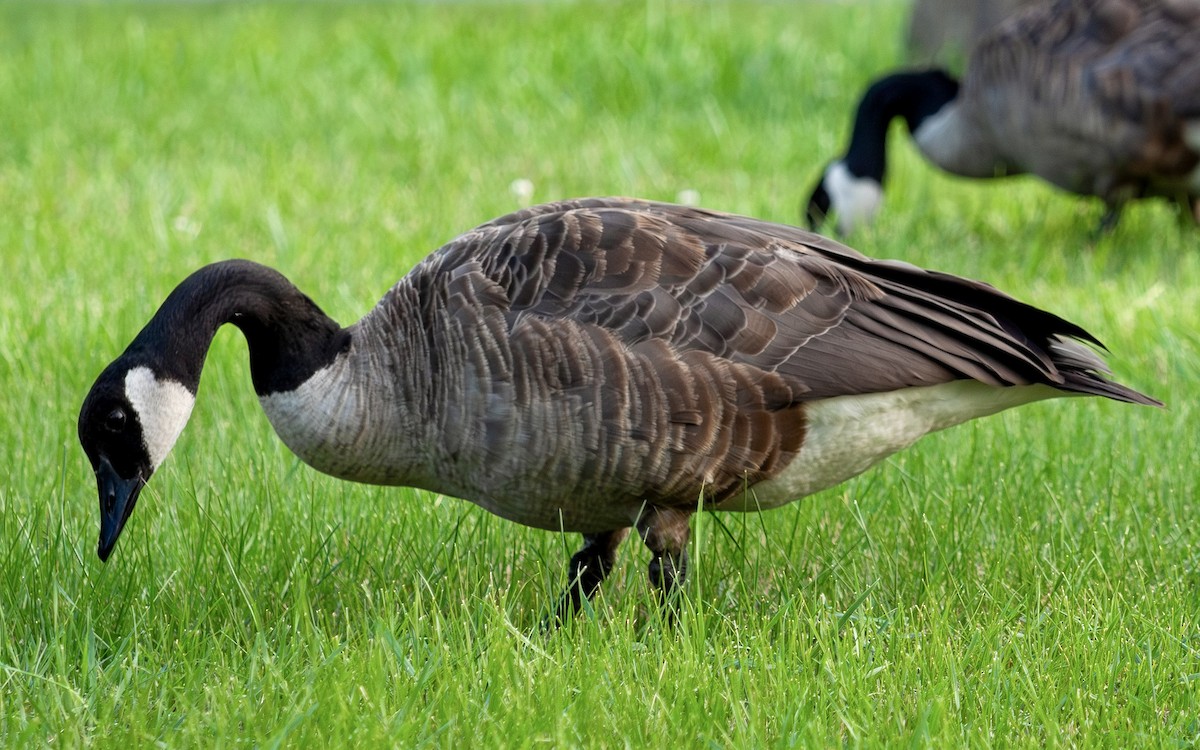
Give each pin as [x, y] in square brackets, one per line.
[914, 96]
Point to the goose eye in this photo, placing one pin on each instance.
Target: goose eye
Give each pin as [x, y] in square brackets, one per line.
[115, 421]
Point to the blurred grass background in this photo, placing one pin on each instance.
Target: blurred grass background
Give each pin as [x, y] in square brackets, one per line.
[1027, 579]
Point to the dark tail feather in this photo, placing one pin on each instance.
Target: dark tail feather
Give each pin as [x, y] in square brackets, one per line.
[1083, 372]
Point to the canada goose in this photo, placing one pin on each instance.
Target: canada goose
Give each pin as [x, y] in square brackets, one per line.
[1098, 97]
[595, 365]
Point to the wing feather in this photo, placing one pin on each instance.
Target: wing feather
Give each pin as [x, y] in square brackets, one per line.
[772, 297]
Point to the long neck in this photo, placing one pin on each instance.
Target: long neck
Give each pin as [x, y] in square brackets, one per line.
[288, 336]
[913, 96]
[378, 410]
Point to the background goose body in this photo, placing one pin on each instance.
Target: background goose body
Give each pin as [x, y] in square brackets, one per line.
[1098, 97]
[598, 364]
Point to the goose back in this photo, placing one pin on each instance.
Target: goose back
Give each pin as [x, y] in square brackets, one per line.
[1095, 96]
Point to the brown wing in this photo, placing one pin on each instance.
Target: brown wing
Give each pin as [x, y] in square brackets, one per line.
[1124, 55]
[1100, 89]
[775, 298]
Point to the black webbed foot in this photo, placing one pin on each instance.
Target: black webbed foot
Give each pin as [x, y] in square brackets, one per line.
[586, 571]
[665, 532]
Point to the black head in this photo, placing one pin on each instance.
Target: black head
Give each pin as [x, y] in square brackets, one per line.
[818, 206]
[852, 199]
[141, 402]
[128, 423]
[111, 435]
[851, 187]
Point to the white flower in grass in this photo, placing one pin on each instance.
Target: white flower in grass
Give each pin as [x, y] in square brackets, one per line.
[688, 197]
[186, 226]
[522, 190]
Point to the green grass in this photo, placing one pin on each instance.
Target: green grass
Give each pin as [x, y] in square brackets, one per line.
[1029, 579]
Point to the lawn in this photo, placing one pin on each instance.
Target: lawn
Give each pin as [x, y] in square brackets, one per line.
[1028, 579]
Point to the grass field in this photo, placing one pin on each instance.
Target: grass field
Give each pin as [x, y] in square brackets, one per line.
[1029, 579]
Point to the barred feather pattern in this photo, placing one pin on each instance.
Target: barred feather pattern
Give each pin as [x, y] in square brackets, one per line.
[570, 365]
[1095, 96]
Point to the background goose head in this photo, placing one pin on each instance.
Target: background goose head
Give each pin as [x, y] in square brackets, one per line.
[851, 187]
[127, 425]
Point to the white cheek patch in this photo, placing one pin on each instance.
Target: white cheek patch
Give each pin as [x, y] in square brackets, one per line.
[163, 408]
[855, 200]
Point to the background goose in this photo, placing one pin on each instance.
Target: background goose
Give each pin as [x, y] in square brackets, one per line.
[596, 365]
[1098, 97]
[943, 31]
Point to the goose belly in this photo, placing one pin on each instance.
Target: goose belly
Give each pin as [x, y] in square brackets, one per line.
[849, 434]
[553, 509]
[527, 466]
[354, 435]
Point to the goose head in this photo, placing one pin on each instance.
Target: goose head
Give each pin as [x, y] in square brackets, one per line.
[129, 422]
[851, 187]
[141, 402]
[851, 199]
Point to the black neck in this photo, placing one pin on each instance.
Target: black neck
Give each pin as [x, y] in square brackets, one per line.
[913, 96]
[288, 336]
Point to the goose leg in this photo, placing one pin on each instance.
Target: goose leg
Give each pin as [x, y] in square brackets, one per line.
[1189, 210]
[1108, 222]
[665, 532]
[587, 569]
